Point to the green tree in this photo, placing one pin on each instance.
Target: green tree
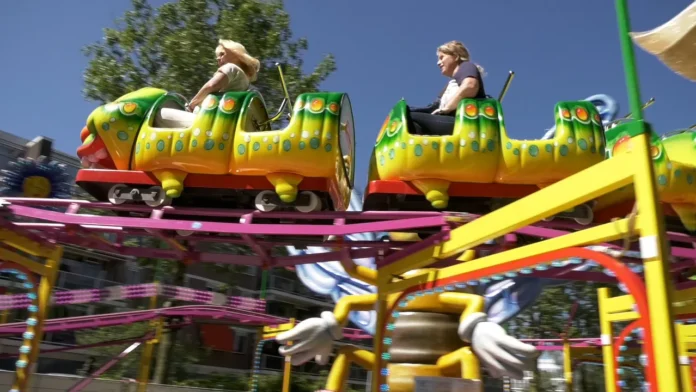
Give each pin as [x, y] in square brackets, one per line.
[548, 317]
[128, 366]
[183, 354]
[172, 47]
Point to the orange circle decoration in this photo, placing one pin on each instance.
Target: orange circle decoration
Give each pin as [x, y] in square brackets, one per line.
[129, 108]
[317, 105]
[597, 119]
[393, 128]
[621, 145]
[470, 110]
[489, 111]
[565, 113]
[582, 114]
[210, 103]
[333, 107]
[228, 105]
[382, 130]
[655, 152]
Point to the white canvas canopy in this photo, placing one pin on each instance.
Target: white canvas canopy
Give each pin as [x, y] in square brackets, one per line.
[674, 42]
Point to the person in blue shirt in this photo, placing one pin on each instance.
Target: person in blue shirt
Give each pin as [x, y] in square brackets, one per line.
[466, 81]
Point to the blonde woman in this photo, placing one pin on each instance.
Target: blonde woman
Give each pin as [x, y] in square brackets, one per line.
[236, 70]
[466, 81]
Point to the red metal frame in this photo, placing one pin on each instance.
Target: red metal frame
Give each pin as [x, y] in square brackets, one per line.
[635, 286]
[620, 342]
[209, 181]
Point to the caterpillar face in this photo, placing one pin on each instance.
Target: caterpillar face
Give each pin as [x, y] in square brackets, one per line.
[110, 134]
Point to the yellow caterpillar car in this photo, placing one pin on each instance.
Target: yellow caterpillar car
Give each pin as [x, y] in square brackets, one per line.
[228, 157]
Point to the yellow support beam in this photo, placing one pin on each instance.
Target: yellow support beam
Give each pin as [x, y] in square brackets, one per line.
[271, 331]
[597, 180]
[567, 365]
[381, 309]
[624, 316]
[606, 232]
[620, 308]
[146, 356]
[622, 303]
[25, 245]
[580, 351]
[33, 266]
[287, 369]
[685, 295]
[656, 255]
[607, 337]
[687, 340]
[44, 298]
[48, 272]
[633, 167]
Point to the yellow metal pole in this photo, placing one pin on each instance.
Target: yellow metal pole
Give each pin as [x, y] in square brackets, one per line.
[567, 364]
[287, 370]
[607, 341]
[146, 356]
[144, 372]
[53, 259]
[381, 309]
[684, 359]
[6, 312]
[658, 282]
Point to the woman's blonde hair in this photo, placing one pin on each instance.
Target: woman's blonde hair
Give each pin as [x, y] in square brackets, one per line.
[250, 65]
[458, 50]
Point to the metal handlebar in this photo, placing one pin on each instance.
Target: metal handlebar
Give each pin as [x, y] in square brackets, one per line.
[646, 105]
[506, 86]
[286, 99]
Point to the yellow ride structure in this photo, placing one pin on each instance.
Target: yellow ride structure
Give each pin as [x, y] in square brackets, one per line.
[653, 297]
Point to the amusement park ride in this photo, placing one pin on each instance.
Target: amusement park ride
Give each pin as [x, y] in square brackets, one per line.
[444, 222]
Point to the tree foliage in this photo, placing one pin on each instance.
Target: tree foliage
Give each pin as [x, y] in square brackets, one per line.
[172, 47]
[549, 317]
[184, 355]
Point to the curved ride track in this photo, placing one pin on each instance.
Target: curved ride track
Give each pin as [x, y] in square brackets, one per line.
[70, 297]
[191, 311]
[187, 231]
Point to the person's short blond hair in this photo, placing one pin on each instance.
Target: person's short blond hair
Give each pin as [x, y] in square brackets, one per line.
[458, 50]
[250, 64]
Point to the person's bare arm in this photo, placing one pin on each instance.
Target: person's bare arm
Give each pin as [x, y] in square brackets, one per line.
[468, 89]
[218, 81]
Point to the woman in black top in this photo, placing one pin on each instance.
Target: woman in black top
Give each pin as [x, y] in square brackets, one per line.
[466, 82]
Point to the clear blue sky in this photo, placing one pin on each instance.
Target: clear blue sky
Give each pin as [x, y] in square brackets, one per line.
[385, 50]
